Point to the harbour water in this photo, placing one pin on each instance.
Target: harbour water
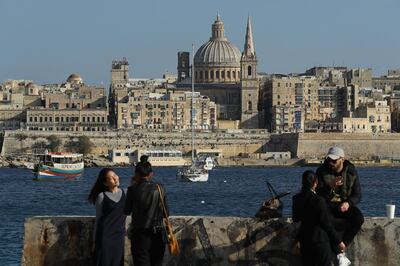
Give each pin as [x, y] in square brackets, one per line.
[229, 192]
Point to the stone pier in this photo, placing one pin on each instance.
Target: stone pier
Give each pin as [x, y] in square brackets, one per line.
[208, 241]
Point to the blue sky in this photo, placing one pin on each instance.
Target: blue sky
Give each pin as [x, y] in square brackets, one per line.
[46, 40]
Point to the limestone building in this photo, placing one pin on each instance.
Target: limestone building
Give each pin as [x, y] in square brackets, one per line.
[225, 75]
[171, 111]
[71, 106]
[373, 118]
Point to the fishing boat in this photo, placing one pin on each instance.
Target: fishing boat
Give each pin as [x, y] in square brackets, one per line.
[195, 172]
[58, 166]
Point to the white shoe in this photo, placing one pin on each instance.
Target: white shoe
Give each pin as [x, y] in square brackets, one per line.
[343, 260]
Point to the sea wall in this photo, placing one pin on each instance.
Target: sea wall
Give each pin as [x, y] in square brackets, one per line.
[356, 146]
[17, 142]
[208, 241]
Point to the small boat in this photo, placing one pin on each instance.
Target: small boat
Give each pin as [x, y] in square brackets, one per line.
[208, 163]
[58, 166]
[192, 174]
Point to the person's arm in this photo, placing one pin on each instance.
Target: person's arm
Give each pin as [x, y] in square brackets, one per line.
[325, 221]
[128, 202]
[99, 212]
[323, 190]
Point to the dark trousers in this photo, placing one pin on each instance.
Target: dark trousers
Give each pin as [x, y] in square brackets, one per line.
[352, 219]
[316, 254]
[147, 247]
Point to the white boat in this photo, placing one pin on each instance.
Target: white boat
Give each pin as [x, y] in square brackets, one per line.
[192, 174]
[195, 172]
[208, 163]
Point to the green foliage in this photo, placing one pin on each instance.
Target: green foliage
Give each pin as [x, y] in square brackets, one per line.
[41, 144]
[54, 143]
[21, 137]
[82, 144]
[85, 145]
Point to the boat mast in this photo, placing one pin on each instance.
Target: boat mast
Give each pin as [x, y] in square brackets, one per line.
[192, 105]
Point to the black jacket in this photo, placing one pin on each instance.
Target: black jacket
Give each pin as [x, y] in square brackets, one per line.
[143, 201]
[351, 189]
[316, 222]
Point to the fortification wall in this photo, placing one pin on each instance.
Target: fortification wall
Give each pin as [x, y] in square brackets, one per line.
[230, 144]
[356, 146]
[208, 241]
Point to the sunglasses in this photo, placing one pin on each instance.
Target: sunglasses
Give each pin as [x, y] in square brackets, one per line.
[333, 161]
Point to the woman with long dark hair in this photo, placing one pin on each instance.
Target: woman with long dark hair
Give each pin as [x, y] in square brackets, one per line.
[317, 235]
[143, 202]
[109, 229]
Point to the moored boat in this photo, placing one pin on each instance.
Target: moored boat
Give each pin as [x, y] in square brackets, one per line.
[58, 166]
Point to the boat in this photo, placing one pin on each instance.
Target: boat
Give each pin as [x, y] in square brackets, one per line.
[58, 166]
[208, 163]
[195, 172]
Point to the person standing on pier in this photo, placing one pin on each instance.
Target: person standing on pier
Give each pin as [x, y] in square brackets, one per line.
[148, 238]
[317, 235]
[339, 184]
[109, 229]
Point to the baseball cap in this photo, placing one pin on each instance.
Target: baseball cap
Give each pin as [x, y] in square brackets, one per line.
[335, 153]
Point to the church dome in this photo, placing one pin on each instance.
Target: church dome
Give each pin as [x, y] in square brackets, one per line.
[218, 51]
[74, 78]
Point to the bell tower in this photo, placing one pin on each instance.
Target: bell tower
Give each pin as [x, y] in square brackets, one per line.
[249, 82]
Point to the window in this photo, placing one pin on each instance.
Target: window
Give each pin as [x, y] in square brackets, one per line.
[228, 74]
[249, 106]
[223, 74]
[201, 74]
[249, 71]
[217, 74]
[234, 74]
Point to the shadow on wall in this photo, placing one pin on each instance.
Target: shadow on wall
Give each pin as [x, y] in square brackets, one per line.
[72, 247]
[251, 242]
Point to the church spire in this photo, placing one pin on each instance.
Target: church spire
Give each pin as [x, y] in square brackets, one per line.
[249, 44]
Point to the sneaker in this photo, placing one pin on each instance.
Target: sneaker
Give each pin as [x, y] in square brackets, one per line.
[343, 260]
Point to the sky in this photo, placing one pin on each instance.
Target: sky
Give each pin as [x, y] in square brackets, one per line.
[46, 40]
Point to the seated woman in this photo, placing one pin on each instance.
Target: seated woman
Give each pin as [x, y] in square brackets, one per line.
[317, 235]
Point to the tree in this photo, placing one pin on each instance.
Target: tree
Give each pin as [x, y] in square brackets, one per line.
[54, 143]
[82, 144]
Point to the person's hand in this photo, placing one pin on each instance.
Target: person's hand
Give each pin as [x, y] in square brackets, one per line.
[344, 206]
[342, 246]
[336, 182]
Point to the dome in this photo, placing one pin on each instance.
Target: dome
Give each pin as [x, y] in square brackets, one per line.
[218, 51]
[74, 78]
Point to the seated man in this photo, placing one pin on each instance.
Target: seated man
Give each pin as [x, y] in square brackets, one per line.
[339, 184]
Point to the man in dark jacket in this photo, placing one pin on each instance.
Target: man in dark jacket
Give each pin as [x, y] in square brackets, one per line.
[339, 184]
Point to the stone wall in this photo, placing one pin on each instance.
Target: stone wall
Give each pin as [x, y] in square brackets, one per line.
[208, 241]
[229, 144]
[356, 146]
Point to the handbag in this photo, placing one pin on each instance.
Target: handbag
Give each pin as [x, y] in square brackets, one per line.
[173, 245]
[271, 208]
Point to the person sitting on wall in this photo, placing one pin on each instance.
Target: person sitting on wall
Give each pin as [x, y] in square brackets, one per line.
[317, 234]
[339, 184]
